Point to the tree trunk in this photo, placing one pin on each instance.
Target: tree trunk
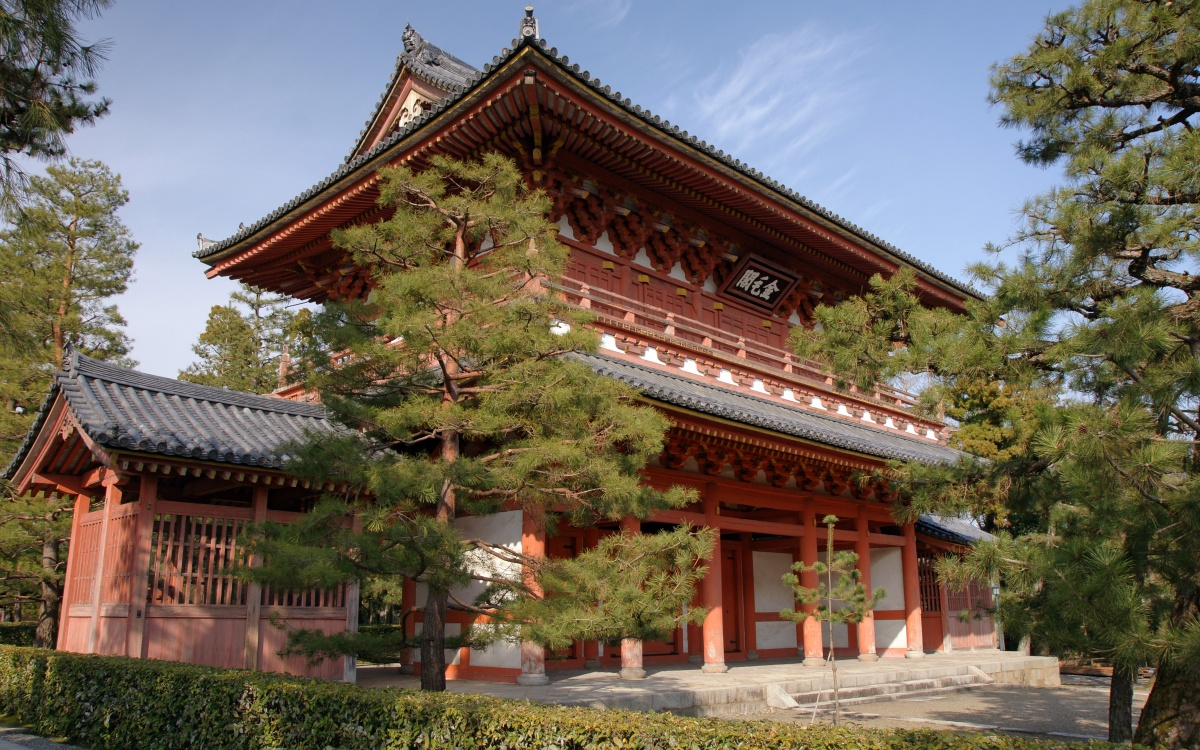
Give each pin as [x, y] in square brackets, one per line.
[433, 642]
[47, 629]
[1171, 717]
[1120, 705]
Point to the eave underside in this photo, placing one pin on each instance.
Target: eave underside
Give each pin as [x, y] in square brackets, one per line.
[549, 124]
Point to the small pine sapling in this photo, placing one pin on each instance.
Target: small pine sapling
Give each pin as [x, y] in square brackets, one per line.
[839, 597]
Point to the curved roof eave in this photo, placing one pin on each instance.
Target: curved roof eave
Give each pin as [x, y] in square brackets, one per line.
[461, 95]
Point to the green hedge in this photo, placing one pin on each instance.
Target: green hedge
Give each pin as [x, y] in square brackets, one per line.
[118, 703]
[17, 633]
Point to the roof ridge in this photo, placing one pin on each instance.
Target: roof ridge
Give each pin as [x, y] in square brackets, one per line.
[88, 367]
[664, 126]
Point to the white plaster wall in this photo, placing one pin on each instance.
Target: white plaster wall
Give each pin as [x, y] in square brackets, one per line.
[775, 635]
[841, 637]
[890, 634]
[886, 573]
[770, 595]
[642, 259]
[564, 227]
[499, 528]
[499, 654]
[604, 244]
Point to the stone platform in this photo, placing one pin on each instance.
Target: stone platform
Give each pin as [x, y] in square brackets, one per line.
[748, 686]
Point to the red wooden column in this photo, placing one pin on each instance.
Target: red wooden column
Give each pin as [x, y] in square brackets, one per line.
[353, 591]
[591, 649]
[947, 641]
[748, 606]
[710, 593]
[112, 498]
[139, 578]
[912, 594]
[814, 651]
[70, 595]
[254, 590]
[533, 655]
[631, 648]
[408, 598]
[866, 628]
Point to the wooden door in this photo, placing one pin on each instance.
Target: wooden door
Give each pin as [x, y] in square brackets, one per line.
[560, 548]
[731, 598]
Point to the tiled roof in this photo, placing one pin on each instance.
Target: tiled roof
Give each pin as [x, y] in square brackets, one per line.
[951, 529]
[426, 61]
[125, 409]
[759, 412]
[476, 80]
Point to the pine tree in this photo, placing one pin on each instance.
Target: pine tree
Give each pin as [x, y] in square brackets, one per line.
[242, 345]
[456, 381]
[44, 72]
[1100, 311]
[63, 257]
[840, 597]
[226, 354]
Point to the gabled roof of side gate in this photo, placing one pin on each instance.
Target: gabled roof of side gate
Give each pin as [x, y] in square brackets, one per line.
[480, 78]
[758, 412]
[123, 409]
[426, 61]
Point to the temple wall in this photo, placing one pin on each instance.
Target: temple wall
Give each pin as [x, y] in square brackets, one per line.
[887, 573]
[771, 596]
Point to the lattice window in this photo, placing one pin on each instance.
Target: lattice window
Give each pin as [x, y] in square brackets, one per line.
[931, 591]
[86, 548]
[334, 597]
[193, 559]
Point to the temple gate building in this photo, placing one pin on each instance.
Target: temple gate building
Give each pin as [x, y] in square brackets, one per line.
[696, 267]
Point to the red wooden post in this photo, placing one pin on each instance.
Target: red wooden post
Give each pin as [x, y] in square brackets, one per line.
[254, 590]
[912, 594]
[866, 628]
[350, 663]
[70, 595]
[947, 640]
[710, 592]
[112, 498]
[408, 599]
[814, 650]
[747, 603]
[631, 648]
[139, 574]
[591, 649]
[533, 655]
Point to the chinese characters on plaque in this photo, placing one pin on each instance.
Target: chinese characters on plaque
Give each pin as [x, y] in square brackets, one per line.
[759, 282]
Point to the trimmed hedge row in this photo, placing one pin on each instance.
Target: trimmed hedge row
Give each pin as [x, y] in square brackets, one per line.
[116, 703]
[17, 633]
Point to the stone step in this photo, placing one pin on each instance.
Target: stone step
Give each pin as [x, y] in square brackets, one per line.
[889, 691]
[874, 688]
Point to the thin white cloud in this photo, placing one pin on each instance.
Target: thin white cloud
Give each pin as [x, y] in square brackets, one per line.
[779, 99]
[601, 13]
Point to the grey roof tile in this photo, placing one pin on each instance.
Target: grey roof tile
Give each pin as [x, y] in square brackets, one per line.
[759, 412]
[951, 529]
[461, 90]
[129, 410]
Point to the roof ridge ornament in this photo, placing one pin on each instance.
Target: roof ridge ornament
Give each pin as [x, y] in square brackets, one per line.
[411, 38]
[529, 25]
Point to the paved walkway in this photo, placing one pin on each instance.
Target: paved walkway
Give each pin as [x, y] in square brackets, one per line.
[1077, 711]
[687, 690]
[18, 738]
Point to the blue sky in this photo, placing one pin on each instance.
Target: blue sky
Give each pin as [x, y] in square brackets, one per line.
[222, 111]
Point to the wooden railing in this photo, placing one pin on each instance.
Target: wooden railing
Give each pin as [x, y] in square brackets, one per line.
[612, 307]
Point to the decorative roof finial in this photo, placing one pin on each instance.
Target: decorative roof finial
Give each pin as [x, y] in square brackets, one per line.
[411, 38]
[529, 25]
